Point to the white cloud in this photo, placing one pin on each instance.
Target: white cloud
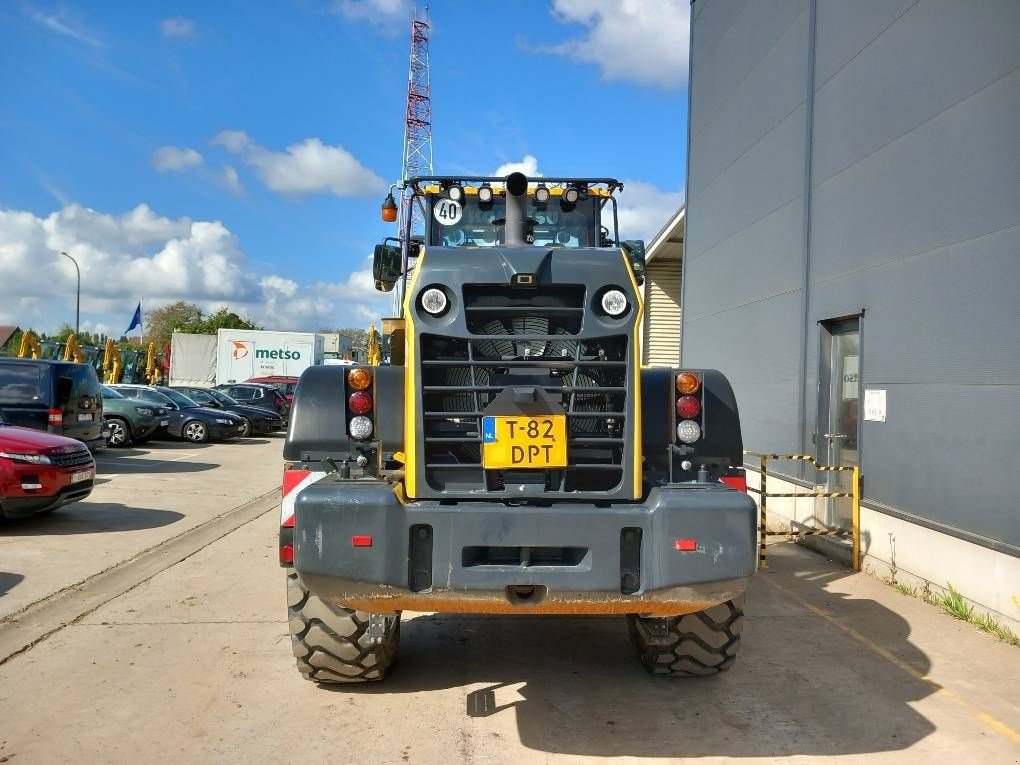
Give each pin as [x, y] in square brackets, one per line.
[391, 17]
[645, 208]
[177, 27]
[307, 167]
[175, 158]
[60, 24]
[643, 41]
[230, 180]
[528, 166]
[142, 255]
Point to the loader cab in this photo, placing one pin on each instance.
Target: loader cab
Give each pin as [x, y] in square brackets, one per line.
[489, 212]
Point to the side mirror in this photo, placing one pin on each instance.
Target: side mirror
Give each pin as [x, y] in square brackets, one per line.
[64, 388]
[635, 249]
[386, 266]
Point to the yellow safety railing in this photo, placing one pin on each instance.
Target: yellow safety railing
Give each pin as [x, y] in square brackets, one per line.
[854, 495]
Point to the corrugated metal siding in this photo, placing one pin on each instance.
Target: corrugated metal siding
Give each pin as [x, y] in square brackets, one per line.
[914, 206]
[662, 312]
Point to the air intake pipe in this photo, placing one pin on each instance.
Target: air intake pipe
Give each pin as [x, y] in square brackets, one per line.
[517, 229]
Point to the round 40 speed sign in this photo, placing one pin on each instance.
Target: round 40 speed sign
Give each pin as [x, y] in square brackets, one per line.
[447, 212]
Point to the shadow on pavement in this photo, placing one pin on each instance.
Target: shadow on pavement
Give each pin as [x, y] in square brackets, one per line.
[88, 518]
[156, 465]
[8, 581]
[801, 685]
[251, 441]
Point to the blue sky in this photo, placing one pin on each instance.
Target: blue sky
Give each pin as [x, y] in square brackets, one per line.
[236, 153]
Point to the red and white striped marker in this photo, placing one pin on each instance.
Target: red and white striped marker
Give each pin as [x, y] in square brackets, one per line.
[294, 480]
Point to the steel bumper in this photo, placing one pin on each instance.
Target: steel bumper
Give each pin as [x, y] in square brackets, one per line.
[356, 544]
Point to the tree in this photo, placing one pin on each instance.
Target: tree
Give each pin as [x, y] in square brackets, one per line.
[161, 322]
[188, 317]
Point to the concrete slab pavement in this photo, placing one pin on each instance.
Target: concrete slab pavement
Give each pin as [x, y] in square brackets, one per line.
[194, 666]
[142, 497]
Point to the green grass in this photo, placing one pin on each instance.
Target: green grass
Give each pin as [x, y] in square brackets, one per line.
[953, 603]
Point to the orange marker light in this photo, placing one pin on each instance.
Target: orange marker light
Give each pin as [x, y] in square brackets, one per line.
[359, 378]
[389, 209]
[688, 383]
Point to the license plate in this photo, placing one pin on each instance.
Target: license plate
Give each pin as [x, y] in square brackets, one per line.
[85, 416]
[84, 475]
[164, 423]
[524, 442]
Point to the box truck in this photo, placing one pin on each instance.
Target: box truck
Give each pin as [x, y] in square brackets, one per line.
[193, 360]
[246, 353]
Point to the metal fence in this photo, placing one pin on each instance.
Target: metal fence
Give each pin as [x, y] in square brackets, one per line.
[854, 495]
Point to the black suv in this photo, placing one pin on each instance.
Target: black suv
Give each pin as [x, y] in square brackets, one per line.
[56, 396]
[260, 395]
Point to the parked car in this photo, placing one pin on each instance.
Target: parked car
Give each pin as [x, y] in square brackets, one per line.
[254, 419]
[286, 385]
[41, 471]
[58, 397]
[186, 418]
[260, 395]
[131, 420]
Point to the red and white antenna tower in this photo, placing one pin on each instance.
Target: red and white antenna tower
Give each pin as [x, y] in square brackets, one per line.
[417, 158]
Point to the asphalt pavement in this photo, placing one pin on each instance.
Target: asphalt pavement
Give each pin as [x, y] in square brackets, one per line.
[174, 648]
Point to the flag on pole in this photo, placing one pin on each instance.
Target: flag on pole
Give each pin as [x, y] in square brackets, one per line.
[136, 320]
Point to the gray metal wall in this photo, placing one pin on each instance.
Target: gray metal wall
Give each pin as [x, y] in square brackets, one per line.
[864, 157]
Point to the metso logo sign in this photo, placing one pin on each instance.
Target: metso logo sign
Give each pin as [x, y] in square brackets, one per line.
[275, 353]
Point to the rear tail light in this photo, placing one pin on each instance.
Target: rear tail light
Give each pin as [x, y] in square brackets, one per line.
[688, 407]
[688, 431]
[359, 378]
[360, 427]
[360, 402]
[688, 383]
[55, 417]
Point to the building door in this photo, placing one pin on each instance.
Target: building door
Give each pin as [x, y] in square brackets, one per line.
[837, 429]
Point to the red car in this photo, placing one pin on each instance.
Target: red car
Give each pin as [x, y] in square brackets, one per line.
[41, 471]
[282, 383]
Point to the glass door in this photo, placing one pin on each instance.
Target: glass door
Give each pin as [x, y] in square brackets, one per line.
[839, 394]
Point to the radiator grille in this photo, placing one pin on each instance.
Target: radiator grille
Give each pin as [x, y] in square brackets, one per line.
[516, 342]
[72, 459]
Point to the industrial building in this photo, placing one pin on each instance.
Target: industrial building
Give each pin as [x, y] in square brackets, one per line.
[660, 343]
[852, 262]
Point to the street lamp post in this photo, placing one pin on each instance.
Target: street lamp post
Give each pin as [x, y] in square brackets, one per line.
[77, 296]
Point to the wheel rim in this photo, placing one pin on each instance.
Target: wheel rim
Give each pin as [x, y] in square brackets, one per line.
[194, 431]
[118, 433]
[246, 428]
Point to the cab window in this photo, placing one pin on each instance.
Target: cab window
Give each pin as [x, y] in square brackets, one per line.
[553, 224]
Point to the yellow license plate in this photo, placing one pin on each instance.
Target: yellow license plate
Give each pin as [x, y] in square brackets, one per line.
[524, 442]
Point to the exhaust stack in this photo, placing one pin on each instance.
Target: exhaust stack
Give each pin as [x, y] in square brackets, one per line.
[517, 231]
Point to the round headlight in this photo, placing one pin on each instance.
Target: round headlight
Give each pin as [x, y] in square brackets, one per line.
[456, 193]
[688, 431]
[434, 301]
[485, 194]
[361, 427]
[571, 195]
[542, 194]
[614, 302]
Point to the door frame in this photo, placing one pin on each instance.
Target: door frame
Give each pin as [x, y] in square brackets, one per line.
[821, 451]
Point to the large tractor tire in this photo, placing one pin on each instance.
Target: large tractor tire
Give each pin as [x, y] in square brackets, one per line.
[331, 643]
[692, 645]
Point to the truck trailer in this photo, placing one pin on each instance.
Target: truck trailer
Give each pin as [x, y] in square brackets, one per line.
[242, 354]
[514, 457]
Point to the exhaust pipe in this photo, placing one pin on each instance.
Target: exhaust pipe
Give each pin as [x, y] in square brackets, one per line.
[516, 229]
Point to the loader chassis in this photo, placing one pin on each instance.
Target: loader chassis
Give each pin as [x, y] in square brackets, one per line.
[519, 461]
